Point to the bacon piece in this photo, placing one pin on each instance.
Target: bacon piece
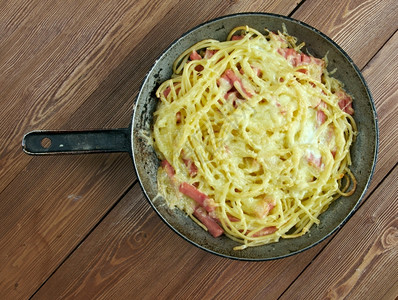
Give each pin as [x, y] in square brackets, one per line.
[237, 37]
[209, 53]
[224, 82]
[314, 160]
[168, 168]
[264, 207]
[299, 59]
[214, 229]
[200, 198]
[195, 55]
[290, 54]
[265, 231]
[320, 115]
[166, 92]
[345, 102]
[178, 117]
[233, 219]
[192, 168]
[255, 69]
[236, 80]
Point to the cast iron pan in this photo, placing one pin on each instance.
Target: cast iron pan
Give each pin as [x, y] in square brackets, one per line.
[132, 140]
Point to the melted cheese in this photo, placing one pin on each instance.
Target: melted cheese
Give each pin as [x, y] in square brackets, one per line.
[264, 131]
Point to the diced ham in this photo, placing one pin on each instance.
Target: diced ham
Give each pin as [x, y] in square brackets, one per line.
[224, 82]
[264, 207]
[214, 229]
[299, 59]
[237, 37]
[238, 81]
[200, 198]
[166, 92]
[195, 55]
[192, 168]
[233, 219]
[255, 69]
[178, 117]
[314, 160]
[265, 231]
[320, 117]
[320, 114]
[305, 59]
[209, 53]
[345, 102]
[168, 168]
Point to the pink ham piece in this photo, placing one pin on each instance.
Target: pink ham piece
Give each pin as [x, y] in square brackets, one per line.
[320, 115]
[265, 231]
[192, 168]
[167, 90]
[345, 102]
[209, 53]
[214, 229]
[195, 55]
[314, 160]
[299, 59]
[237, 37]
[236, 80]
[202, 199]
[168, 168]
[224, 83]
[263, 208]
[178, 117]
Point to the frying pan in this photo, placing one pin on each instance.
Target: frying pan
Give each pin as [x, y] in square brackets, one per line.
[132, 139]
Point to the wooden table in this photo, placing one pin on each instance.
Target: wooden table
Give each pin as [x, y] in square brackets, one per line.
[79, 227]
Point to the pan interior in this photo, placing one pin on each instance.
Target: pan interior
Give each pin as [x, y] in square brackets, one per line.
[363, 152]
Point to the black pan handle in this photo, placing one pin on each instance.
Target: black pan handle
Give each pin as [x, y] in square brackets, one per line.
[41, 142]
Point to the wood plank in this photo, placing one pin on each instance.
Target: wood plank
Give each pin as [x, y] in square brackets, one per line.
[353, 23]
[133, 254]
[381, 73]
[47, 212]
[50, 66]
[362, 259]
[73, 70]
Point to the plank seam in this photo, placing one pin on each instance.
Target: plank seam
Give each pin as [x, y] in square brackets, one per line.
[337, 231]
[85, 237]
[296, 8]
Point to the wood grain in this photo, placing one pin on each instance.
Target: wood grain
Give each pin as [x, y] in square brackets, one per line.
[354, 268]
[78, 226]
[360, 27]
[132, 247]
[381, 74]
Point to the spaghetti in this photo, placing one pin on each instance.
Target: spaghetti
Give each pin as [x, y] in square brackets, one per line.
[254, 137]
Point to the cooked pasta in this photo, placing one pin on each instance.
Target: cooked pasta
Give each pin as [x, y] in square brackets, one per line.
[254, 137]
